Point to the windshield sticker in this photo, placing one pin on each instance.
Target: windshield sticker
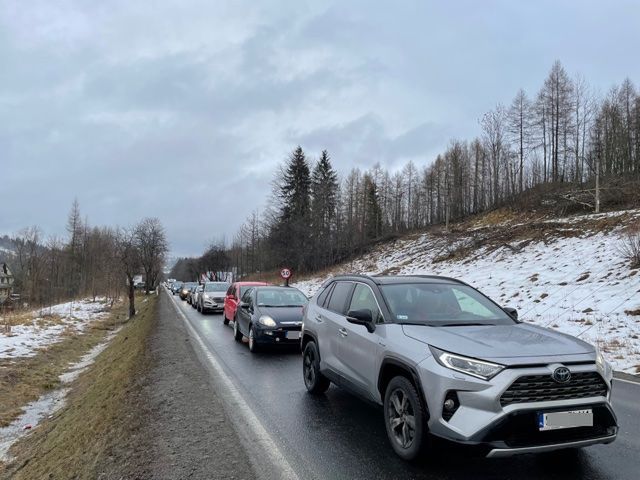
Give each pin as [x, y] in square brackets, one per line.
[402, 317]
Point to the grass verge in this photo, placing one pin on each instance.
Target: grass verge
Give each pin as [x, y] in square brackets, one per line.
[82, 439]
[23, 380]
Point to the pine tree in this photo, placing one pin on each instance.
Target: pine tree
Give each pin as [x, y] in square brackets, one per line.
[291, 234]
[324, 191]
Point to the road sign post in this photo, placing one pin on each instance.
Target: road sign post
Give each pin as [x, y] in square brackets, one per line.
[285, 273]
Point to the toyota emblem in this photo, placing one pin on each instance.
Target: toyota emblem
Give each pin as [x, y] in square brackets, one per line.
[561, 375]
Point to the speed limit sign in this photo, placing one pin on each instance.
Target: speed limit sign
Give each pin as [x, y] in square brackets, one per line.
[285, 273]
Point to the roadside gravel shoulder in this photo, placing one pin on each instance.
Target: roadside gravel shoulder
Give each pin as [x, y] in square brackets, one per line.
[185, 426]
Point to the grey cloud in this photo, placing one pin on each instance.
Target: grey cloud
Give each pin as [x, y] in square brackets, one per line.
[202, 100]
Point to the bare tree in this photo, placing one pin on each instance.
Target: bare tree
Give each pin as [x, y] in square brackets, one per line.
[152, 244]
[130, 262]
[519, 125]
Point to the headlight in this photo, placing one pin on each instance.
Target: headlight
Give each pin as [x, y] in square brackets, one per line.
[470, 366]
[267, 321]
[600, 361]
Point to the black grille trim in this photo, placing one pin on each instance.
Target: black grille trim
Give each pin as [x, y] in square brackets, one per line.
[543, 388]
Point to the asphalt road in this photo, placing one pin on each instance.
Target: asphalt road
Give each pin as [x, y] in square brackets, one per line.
[339, 436]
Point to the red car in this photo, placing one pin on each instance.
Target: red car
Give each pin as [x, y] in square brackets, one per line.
[234, 294]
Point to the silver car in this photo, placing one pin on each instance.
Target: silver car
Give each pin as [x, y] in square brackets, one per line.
[446, 361]
[211, 299]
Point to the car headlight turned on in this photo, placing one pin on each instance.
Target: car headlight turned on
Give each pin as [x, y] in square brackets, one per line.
[470, 366]
[267, 321]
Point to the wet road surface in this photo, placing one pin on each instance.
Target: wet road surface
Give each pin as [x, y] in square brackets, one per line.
[339, 436]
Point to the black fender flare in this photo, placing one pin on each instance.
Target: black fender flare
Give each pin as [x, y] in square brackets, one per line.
[402, 364]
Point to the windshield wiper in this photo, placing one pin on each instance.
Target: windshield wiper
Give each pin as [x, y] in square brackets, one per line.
[466, 324]
[415, 323]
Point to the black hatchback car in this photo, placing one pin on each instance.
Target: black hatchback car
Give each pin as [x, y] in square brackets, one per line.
[270, 315]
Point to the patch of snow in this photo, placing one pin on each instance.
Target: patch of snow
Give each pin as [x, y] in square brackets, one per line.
[49, 403]
[34, 413]
[25, 340]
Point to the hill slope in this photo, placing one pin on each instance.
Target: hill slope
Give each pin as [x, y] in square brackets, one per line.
[562, 273]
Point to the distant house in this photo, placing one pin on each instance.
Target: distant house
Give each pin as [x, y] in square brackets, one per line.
[6, 283]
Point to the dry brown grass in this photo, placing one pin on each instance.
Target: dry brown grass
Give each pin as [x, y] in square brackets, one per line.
[85, 433]
[23, 380]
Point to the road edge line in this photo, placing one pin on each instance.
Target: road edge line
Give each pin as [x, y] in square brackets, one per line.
[278, 462]
[636, 383]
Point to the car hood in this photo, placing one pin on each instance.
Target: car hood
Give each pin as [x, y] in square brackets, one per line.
[282, 314]
[506, 344]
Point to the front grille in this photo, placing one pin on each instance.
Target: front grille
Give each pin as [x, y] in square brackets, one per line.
[218, 299]
[543, 388]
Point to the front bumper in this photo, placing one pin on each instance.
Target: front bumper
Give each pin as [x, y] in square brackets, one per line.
[277, 336]
[481, 419]
[212, 305]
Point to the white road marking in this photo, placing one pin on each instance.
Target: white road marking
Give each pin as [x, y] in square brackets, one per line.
[637, 384]
[280, 467]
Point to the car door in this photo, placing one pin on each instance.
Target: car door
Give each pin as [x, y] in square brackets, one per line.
[357, 347]
[332, 317]
[230, 302]
[243, 315]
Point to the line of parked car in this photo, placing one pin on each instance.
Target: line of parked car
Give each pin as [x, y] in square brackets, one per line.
[267, 315]
[441, 358]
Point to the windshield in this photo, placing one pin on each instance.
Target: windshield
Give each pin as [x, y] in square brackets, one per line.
[281, 297]
[438, 304]
[216, 287]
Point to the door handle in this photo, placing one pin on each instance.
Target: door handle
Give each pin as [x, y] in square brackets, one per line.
[343, 332]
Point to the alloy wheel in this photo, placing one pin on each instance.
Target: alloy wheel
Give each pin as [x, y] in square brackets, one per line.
[308, 365]
[251, 339]
[401, 418]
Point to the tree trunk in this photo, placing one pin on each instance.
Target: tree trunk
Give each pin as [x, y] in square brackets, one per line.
[132, 296]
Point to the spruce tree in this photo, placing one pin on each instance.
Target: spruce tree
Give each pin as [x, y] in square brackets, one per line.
[291, 235]
[324, 191]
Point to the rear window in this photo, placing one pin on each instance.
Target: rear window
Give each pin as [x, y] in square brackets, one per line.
[244, 288]
[339, 296]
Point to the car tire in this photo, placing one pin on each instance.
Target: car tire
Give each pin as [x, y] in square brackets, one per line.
[237, 334]
[402, 408]
[314, 380]
[253, 345]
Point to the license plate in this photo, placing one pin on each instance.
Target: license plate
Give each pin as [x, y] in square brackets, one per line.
[569, 419]
[294, 335]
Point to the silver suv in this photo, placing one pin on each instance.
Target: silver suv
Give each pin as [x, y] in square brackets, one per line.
[211, 297]
[444, 360]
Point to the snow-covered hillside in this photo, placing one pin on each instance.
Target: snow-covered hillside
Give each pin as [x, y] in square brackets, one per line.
[566, 274]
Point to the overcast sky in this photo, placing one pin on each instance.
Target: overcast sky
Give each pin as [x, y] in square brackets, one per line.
[182, 109]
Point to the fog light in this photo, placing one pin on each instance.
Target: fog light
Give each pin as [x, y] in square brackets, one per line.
[450, 405]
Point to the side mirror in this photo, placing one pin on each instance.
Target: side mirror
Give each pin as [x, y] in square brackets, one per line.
[362, 317]
[513, 313]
